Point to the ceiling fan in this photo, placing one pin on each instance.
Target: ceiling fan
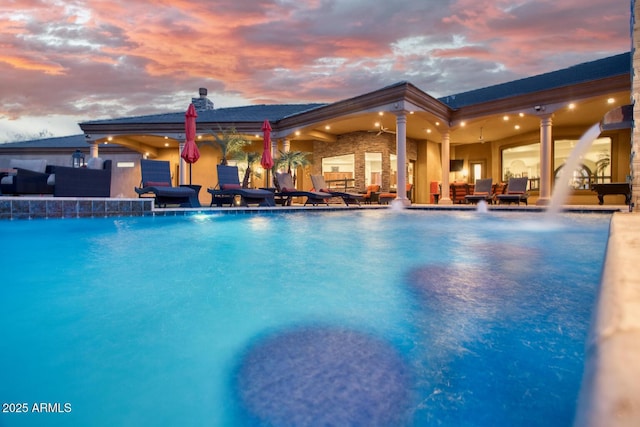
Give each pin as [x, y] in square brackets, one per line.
[382, 129]
[481, 138]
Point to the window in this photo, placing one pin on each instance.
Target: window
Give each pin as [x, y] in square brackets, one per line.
[372, 169]
[393, 184]
[595, 166]
[595, 163]
[338, 171]
[522, 161]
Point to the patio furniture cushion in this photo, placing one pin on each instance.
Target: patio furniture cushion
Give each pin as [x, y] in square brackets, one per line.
[156, 184]
[95, 163]
[230, 186]
[35, 165]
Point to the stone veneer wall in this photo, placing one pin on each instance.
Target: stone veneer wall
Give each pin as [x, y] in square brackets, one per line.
[359, 143]
[635, 97]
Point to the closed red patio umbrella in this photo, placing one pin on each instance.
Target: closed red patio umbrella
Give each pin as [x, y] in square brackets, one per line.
[267, 160]
[190, 152]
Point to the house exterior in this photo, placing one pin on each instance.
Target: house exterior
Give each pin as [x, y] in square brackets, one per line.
[525, 127]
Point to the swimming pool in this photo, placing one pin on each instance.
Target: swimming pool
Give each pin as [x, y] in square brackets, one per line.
[369, 317]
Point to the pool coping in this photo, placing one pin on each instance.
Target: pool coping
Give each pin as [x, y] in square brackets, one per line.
[610, 391]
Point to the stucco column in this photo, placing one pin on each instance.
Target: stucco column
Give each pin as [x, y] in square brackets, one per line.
[183, 165]
[286, 146]
[546, 151]
[446, 141]
[401, 155]
[93, 149]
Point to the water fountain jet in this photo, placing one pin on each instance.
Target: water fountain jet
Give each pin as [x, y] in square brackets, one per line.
[561, 187]
[482, 207]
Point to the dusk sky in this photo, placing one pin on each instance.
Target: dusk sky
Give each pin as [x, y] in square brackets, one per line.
[63, 62]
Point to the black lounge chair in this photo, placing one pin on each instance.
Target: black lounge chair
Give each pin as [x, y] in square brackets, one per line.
[287, 191]
[481, 191]
[229, 187]
[156, 181]
[516, 191]
[348, 198]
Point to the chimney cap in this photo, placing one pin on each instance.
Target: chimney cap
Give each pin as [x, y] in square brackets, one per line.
[203, 91]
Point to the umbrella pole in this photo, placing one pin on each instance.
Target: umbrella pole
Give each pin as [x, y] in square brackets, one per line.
[190, 173]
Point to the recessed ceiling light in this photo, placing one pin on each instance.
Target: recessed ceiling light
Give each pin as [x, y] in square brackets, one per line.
[428, 130]
[327, 127]
[110, 138]
[463, 124]
[521, 114]
[516, 127]
[572, 106]
[381, 113]
[505, 118]
[166, 144]
[611, 101]
[297, 133]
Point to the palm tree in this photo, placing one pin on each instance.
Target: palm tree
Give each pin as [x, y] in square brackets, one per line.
[251, 158]
[291, 160]
[229, 141]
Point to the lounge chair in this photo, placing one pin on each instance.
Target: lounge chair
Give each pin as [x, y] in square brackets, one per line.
[156, 181]
[516, 191]
[348, 198]
[229, 187]
[287, 191]
[481, 191]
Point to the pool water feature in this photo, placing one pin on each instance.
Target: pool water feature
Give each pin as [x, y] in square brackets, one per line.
[455, 318]
[562, 187]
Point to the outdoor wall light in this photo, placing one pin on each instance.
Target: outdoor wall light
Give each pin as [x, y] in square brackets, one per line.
[77, 159]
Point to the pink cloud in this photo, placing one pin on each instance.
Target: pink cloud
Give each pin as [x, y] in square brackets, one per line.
[101, 59]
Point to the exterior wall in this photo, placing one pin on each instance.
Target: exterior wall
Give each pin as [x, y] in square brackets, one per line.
[359, 143]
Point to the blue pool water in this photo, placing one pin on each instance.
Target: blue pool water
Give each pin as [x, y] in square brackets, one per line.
[345, 318]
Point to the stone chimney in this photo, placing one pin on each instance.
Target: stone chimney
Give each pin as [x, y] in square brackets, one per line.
[203, 103]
